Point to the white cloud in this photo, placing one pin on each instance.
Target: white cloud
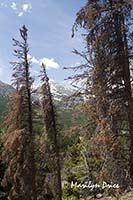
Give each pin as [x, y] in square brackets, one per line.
[26, 7]
[29, 57]
[20, 14]
[50, 63]
[18, 8]
[14, 6]
[34, 60]
[3, 4]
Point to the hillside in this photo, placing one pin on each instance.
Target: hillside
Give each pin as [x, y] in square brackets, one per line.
[5, 91]
[59, 92]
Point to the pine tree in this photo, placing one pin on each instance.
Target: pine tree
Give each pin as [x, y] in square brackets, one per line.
[109, 86]
[51, 153]
[19, 137]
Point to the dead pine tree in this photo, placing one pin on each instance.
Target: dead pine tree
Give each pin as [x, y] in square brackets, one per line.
[122, 17]
[107, 41]
[51, 153]
[19, 137]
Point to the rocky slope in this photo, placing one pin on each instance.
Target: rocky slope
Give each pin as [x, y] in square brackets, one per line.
[59, 93]
[5, 91]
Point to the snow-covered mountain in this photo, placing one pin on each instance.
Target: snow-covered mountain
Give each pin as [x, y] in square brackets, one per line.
[59, 91]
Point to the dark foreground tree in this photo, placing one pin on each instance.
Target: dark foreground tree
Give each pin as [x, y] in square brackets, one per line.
[109, 87]
[19, 137]
[51, 152]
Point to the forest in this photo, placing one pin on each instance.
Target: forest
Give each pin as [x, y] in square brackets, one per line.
[80, 148]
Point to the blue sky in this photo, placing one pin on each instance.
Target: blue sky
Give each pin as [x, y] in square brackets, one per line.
[49, 23]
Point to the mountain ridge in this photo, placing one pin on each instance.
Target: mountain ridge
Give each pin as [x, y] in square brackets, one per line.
[58, 91]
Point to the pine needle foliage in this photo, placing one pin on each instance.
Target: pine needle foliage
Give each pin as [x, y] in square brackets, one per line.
[18, 140]
[51, 152]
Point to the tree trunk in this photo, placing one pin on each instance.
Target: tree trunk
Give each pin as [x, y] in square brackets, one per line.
[31, 147]
[53, 157]
[124, 63]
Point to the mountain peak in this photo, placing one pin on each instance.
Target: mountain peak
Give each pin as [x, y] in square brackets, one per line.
[58, 90]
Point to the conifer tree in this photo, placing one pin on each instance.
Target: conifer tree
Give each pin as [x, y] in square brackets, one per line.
[109, 87]
[19, 137]
[51, 154]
